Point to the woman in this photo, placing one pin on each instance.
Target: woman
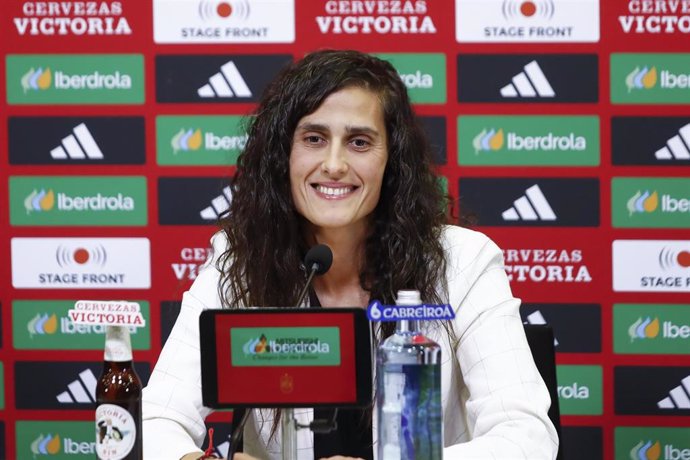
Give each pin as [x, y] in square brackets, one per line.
[336, 156]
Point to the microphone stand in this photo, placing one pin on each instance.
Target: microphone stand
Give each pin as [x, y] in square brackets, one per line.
[288, 434]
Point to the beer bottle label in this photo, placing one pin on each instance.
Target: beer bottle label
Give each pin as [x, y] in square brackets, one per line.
[115, 432]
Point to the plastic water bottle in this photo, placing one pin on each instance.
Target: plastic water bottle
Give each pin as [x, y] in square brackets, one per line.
[408, 369]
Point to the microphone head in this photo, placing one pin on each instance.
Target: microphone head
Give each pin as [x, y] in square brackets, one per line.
[319, 258]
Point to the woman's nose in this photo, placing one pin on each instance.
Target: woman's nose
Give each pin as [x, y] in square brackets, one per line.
[335, 162]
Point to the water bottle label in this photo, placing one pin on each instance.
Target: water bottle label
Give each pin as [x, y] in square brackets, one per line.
[379, 312]
[116, 432]
[411, 420]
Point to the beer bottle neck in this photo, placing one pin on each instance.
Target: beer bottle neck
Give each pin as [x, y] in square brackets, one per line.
[118, 347]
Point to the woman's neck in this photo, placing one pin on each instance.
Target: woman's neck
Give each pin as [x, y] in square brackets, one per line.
[341, 286]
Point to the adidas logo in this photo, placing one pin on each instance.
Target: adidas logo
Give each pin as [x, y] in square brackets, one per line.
[78, 146]
[537, 318]
[678, 147]
[531, 206]
[219, 205]
[226, 83]
[678, 397]
[82, 390]
[530, 83]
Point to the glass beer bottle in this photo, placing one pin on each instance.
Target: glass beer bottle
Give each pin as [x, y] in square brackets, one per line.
[118, 399]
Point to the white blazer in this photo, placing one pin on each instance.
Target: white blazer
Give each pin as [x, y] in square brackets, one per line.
[494, 401]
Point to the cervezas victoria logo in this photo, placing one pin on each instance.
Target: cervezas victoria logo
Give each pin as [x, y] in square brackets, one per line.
[381, 17]
[661, 17]
[546, 265]
[61, 18]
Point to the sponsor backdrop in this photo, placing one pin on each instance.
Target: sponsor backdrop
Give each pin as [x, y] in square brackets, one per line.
[560, 127]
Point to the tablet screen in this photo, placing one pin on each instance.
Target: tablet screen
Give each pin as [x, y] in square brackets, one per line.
[292, 358]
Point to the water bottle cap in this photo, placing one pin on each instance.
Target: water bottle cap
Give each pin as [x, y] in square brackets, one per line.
[409, 297]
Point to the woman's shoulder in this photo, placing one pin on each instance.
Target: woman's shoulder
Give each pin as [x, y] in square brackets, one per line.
[464, 246]
[461, 238]
[219, 243]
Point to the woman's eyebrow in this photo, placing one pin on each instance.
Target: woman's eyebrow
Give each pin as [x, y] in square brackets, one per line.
[313, 127]
[362, 130]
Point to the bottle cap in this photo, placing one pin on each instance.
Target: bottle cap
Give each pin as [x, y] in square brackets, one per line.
[409, 297]
[118, 346]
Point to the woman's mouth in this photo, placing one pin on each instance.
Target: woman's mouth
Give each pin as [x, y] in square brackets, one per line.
[333, 191]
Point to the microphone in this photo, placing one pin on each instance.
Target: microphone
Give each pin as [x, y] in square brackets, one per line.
[317, 261]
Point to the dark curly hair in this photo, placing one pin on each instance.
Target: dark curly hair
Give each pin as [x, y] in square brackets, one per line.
[266, 243]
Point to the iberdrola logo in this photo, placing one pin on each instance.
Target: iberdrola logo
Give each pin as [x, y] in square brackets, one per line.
[644, 78]
[42, 324]
[256, 346]
[488, 140]
[36, 79]
[39, 201]
[46, 445]
[186, 140]
[643, 202]
[647, 328]
[645, 450]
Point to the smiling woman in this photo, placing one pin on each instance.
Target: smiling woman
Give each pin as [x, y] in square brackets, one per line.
[336, 156]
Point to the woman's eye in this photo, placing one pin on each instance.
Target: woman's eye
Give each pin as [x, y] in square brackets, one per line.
[360, 143]
[313, 139]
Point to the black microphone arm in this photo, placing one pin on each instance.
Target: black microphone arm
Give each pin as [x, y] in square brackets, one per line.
[317, 261]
